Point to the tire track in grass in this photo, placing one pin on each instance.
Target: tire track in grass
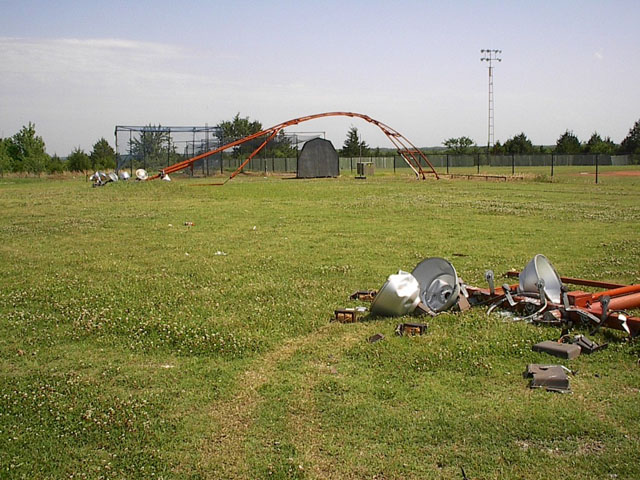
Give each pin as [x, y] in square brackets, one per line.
[305, 425]
[223, 454]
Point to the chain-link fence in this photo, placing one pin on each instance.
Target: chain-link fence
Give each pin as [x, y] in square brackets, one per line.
[549, 165]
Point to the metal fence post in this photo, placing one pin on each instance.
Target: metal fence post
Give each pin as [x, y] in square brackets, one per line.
[394, 164]
[478, 160]
[447, 164]
[552, 156]
[597, 157]
[513, 164]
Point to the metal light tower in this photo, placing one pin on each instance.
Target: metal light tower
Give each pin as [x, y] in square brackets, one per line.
[490, 56]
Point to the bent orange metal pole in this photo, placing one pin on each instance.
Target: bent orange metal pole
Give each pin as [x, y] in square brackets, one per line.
[401, 143]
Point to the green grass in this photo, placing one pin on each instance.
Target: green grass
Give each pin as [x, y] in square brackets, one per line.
[129, 348]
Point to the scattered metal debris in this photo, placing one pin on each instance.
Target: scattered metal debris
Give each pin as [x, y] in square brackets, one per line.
[376, 338]
[540, 296]
[586, 345]
[562, 350]
[411, 329]
[364, 295]
[553, 378]
[422, 309]
[348, 315]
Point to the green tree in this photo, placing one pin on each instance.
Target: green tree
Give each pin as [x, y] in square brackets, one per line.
[280, 147]
[27, 151]
[55, 164]
[519, 144]
[631, 143]
[497, 149]
[353, 146]
[459, 146]
[5, 159]
[152, 147]
[78, 161]
[597, 145]
[238, 128]
[103, 157]
[568, 144]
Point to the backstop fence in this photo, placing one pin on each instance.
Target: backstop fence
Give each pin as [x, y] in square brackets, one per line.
[443, 163]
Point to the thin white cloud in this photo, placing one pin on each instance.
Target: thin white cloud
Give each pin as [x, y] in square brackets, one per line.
[599, 55]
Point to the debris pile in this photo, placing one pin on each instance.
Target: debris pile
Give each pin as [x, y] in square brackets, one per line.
[540, 296]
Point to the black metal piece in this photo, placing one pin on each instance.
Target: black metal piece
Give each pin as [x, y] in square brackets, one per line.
[588, 346]
[376, 338]
[562, 350]
[553, 378]
[364, 295]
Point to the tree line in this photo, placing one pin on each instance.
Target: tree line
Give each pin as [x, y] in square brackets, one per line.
[567, 144]
[25, 151]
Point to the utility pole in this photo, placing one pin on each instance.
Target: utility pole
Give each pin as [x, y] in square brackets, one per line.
[490, 56]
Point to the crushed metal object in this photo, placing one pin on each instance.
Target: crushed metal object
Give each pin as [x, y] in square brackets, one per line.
[364, 295]
[422, 309]
[552, 378]
[439, 286]
[587, 346]
[375, 338]
[411, 329]
[399, 296]
[562, 350]
[541, 297]
[348, 315]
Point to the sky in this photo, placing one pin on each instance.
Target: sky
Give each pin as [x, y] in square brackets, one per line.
[79, 68]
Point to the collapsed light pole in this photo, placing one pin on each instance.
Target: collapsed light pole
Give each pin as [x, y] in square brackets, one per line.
[490, 56]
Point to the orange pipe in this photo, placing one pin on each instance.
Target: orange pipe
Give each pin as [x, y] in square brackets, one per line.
[624, 302]
[617, 291]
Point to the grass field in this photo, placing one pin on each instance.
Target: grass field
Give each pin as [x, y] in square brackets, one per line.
[133, 346]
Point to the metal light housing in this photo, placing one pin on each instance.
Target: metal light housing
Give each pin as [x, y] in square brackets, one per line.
[439, 285]
[540, 268]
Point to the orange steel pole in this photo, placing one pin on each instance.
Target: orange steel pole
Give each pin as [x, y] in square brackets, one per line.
[617, 291]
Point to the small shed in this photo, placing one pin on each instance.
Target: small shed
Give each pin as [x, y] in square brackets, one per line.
[318, 159]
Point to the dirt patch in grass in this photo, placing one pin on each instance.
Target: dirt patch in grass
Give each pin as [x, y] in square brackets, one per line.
[223, 453]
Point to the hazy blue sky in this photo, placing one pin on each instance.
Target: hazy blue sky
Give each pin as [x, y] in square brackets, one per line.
[78, 68]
